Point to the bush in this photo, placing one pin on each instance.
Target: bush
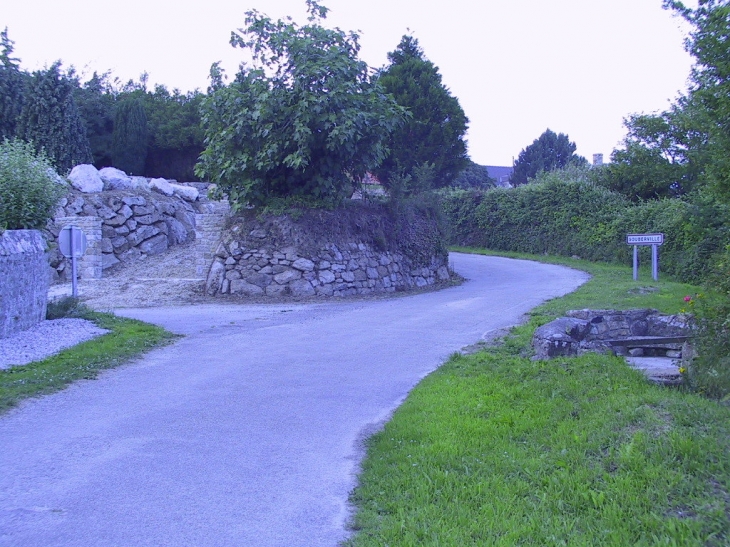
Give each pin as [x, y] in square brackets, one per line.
[564, 213]
[554, 216]
[709, 371]
[68, 306]
[29, 192]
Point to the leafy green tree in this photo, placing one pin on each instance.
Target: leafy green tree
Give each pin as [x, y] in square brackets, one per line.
[474, 176]
[548, 152]
[50, 119]
[96, 102]
[176, 135]
[434, 133]
[709, 97]
[12, 87]
[29, 192]
[664, 155]
[306, 120]
[129, 140]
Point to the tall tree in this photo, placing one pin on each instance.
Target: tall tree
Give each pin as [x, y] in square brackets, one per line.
[306, 120]
[51, 121]
[709, 96]
[130, 137]
[96, 102]
[548, 152]
[664, 155]
[12, 87]
[176, 135]
[434, 133]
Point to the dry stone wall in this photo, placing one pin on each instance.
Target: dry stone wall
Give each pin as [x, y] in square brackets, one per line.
[284, 257]
[24, 286]
[132, 223]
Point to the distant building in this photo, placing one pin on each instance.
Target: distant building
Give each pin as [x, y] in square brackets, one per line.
[500, 175]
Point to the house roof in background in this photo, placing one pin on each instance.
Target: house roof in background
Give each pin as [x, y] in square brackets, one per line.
[499, 174]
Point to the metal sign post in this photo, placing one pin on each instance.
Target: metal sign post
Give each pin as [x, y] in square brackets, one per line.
[646, 239]
[72, 244]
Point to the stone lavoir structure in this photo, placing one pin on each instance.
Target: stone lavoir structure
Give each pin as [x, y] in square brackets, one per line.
[325, 253]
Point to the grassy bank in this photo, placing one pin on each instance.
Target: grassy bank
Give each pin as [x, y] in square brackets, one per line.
[127, 340]
[495, 449]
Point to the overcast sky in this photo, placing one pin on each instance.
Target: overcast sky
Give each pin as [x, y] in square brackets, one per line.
[517, 66]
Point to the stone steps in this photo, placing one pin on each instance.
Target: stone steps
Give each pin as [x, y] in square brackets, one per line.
[660, 370]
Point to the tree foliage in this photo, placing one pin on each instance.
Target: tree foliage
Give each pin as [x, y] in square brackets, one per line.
[434, 133]
[176, 135]
[129, 141]
[96, 102]
[50, 119]
[474, 176]
[29, 191]
[548, 152]
[12, 87]
[708, 101]
[307, 119]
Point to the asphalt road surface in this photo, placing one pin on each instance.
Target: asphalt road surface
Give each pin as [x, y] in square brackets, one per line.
[248, 431]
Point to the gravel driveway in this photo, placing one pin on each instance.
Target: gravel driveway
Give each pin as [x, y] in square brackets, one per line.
[247, 432]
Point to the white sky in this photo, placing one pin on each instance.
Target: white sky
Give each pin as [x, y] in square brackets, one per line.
[517, 66]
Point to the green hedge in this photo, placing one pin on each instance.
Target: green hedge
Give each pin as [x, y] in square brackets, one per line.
[575, 217]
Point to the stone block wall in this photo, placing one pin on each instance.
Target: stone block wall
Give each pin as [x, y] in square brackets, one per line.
[132, 223]
[91, 264]
[25, 280]
[209, 225]
[337, 270]
[340, 253]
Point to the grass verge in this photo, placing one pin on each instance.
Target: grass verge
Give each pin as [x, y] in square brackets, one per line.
[128, 339]
[496, 449]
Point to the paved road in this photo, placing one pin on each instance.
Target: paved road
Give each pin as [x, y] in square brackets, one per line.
[248, 431]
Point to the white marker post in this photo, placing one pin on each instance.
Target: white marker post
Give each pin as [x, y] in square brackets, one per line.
[646, 239]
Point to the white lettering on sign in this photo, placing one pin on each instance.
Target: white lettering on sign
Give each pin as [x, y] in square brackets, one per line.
[644, 239]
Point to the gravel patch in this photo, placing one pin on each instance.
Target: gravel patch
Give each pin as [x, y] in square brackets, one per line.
[45, 339]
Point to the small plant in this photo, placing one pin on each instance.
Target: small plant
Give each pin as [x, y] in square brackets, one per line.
[68, 306]
[29, 192]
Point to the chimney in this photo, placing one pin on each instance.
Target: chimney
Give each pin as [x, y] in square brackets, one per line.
[597, 159]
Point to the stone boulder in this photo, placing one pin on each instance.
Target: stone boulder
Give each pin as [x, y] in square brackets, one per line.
[560, 337]
[85, 178]
[115, 179]
[55, 177]
[188, 193]
[162, 186]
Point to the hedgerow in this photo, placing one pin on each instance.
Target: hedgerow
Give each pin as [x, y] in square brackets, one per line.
[563, 213]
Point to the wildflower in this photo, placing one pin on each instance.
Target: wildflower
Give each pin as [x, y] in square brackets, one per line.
[688, 299]
[682, 370]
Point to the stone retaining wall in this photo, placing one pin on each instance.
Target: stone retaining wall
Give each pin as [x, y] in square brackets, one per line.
[132, 224]
[24, 285]
[283, 257]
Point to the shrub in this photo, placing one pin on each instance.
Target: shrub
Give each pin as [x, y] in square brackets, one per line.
[68, 306]
[709, 372]
[29, 191]
[563, 213]
[563, 217]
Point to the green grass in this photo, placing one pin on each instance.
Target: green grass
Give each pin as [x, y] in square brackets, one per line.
[128, 339]
[496, 449]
